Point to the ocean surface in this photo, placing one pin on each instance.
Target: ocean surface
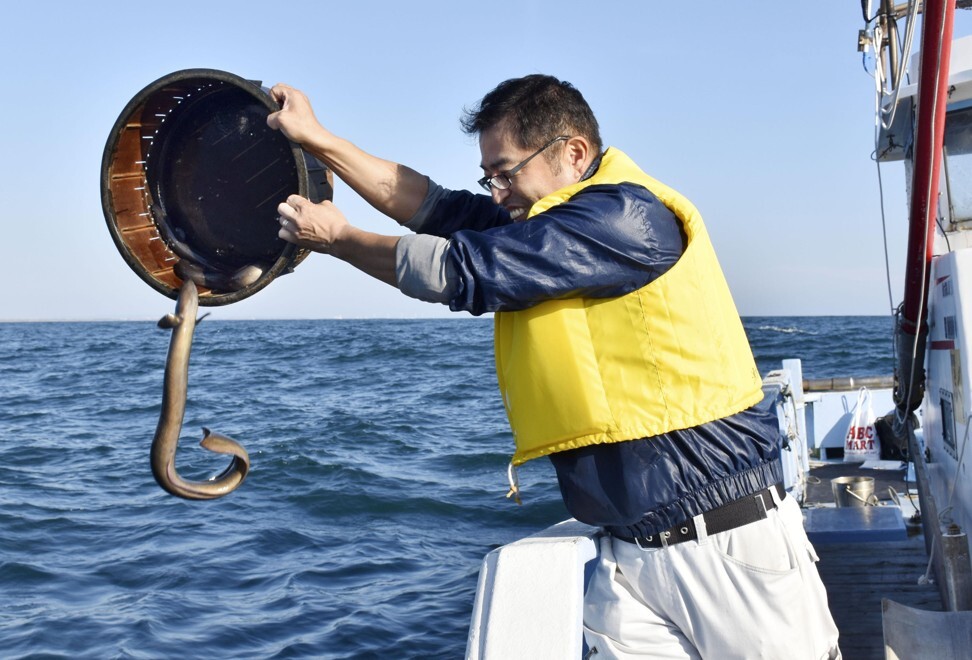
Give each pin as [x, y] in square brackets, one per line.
[379, 452]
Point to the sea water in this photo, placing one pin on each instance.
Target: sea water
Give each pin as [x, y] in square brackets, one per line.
[379, 452]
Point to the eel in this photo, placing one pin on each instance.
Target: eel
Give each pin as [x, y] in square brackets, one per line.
[216, 280]
[193, 266]
[174, 389]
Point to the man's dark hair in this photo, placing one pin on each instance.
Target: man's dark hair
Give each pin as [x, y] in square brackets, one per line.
[535, 109]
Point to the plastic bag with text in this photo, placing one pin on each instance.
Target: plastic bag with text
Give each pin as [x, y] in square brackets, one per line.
[861, 442]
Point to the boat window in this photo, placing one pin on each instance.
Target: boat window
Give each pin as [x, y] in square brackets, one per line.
[958, 164]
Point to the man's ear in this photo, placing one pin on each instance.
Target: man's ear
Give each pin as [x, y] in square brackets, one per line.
[577, 155]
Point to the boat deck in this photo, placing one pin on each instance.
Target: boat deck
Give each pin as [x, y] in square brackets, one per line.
[858, 574]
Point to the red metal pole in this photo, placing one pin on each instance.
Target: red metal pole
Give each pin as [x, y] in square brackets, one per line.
[936, 47]
[912, 330]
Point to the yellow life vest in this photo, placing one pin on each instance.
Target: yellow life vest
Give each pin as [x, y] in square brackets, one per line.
[669, 356]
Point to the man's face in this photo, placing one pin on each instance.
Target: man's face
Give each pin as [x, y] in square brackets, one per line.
[535, 181]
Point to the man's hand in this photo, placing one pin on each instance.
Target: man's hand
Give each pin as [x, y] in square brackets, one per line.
[313, 226]
[322, 228]
[295, 119]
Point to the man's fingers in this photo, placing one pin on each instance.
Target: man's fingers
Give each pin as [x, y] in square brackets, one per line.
[288, 229]
[281, 94]
[278, 94]
[293, 216]
[285, 210]
[291, 208]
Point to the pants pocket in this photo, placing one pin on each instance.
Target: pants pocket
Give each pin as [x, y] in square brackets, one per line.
[764, 546]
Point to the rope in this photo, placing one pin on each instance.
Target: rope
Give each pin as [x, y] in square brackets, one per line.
[884, 233]
[958, 467]
[927, 578]
[900, 73]
[514, 479]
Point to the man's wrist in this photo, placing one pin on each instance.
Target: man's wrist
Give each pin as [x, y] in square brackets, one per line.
[321, 143]
[342, 244]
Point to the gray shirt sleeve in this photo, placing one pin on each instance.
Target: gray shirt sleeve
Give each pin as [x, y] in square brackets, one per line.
[422, 270]
[435, 193]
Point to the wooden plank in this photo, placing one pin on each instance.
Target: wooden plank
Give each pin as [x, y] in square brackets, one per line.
[858, 576]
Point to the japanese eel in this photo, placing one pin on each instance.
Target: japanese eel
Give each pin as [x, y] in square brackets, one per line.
[166, 440]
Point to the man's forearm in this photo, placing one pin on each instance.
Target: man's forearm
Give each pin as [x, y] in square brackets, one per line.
[395, 190]
[370, 253]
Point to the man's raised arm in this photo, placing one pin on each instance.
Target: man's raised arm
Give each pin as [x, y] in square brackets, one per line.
[395, 190]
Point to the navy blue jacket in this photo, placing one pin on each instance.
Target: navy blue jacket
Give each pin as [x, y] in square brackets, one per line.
[606, 241]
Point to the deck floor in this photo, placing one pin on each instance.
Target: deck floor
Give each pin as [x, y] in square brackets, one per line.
[859, 575]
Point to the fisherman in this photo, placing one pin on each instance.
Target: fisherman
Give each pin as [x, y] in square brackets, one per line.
[619, 354]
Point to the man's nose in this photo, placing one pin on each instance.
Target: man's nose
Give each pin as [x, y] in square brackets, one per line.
[499, 195]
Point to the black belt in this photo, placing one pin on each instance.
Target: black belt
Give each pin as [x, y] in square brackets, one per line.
[743, 511]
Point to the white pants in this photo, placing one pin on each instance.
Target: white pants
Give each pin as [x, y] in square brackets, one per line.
[750, 592]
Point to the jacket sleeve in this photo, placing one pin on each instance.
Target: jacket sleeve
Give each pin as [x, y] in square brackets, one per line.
[604, 242]
[445, 211]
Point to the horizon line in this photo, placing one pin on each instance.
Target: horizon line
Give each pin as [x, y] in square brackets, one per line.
[453, 317]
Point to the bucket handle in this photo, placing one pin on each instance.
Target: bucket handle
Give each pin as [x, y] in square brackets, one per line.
[174, 389]
[871, 500]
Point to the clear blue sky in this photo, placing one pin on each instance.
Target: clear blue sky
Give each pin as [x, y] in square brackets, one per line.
[763, 116]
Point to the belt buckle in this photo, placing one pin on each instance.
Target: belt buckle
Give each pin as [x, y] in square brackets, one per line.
[761, 496]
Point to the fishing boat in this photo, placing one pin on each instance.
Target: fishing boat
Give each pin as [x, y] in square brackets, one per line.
[891, 531]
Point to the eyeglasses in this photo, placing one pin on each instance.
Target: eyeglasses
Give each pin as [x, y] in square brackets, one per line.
[503, 180]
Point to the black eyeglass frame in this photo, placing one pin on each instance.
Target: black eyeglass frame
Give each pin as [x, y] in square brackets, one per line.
[490, 182]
